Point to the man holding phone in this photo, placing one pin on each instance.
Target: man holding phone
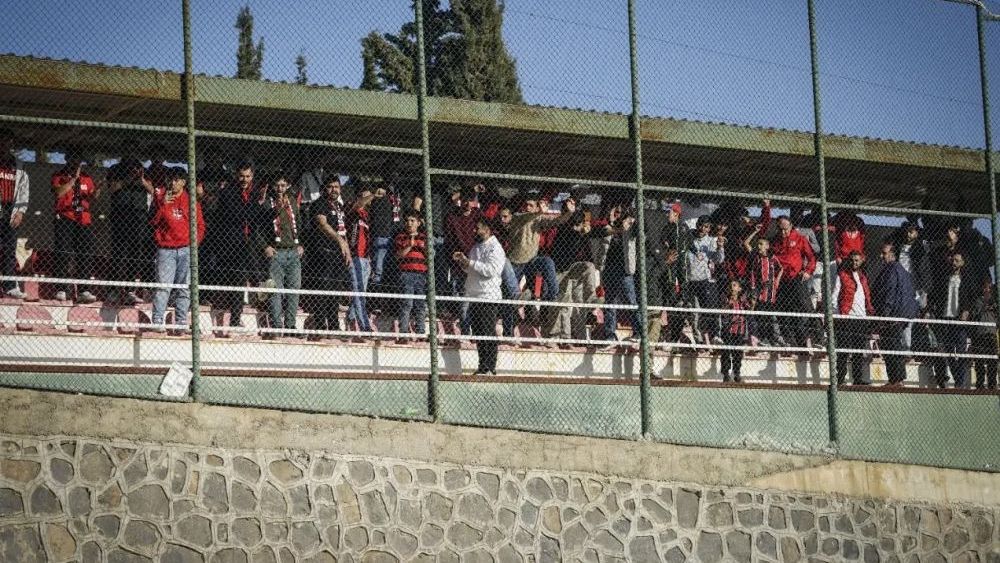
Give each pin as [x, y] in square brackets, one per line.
[172, 232]
[74, 190]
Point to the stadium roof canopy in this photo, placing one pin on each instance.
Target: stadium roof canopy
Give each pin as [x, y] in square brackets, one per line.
[467, 135]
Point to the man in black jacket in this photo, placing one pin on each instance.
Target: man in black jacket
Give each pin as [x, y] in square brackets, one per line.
[242, 225]
[893, 296]
[952, 299]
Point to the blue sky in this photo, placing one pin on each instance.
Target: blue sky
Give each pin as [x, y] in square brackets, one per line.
[891, 69]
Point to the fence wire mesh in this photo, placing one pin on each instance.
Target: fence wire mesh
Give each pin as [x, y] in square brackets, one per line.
[544, 218]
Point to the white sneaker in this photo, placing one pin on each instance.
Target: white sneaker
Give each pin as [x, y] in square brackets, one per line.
[16, 293]
[60, 296]
[86, 297]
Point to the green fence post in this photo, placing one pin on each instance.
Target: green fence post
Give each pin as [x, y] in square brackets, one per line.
[645, 389]
[193, 203]
[984, 83]
[831, 341]
[433, 397]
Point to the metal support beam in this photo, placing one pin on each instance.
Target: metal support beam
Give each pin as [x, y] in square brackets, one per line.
[433, 395]
[645, 389]
[831, 341]
[193, 204]
[982, 16]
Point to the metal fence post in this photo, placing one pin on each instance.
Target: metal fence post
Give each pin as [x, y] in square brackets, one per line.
[192, 205]
[645, 390]
[984, 83]
[831, 341]
[433, 398]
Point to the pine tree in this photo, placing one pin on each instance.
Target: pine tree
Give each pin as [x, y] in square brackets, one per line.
[465, 54]
[300, 69]
[249, 59]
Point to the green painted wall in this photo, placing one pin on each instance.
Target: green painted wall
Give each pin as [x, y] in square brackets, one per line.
[610, 411]
[772, 419]
[960, 431]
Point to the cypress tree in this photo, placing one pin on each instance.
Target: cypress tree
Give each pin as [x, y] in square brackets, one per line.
[300, 69]
[465, 52]
[249, 59]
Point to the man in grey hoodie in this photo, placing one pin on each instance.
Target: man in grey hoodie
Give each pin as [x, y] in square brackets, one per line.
[706, 254]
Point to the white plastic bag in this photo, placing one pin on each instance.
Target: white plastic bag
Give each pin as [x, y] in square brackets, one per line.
[177, 381]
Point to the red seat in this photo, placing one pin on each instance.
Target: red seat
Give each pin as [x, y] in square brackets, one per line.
[131, 316]
[32, 290]
[33, 313]
[83, 314]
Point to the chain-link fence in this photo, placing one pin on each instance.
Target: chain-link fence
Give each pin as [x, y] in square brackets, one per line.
[492, 234]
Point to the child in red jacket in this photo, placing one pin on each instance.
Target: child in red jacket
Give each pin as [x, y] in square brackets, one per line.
[172, 232]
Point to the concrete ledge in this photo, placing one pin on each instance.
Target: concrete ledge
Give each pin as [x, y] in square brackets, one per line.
[45, 414]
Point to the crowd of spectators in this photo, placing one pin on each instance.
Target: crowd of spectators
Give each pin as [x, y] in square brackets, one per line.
[743, 278]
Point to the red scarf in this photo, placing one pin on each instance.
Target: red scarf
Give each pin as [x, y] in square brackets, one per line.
[287, 208]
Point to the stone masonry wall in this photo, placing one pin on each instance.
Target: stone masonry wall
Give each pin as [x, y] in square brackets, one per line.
[67, 499]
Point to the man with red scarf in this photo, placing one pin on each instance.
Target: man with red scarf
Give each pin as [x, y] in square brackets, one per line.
[284, 252]
[854, 299]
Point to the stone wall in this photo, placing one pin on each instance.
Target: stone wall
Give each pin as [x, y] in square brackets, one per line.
[82, 499]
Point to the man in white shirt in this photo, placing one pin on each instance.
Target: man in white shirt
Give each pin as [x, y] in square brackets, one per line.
[483, 267]
[854, 299]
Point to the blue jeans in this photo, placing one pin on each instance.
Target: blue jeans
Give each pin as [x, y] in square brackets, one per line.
[511, 288]
[547, 268]
[382, 246]
[619, 291]
[173, 265]
[286, 271]
[359, 284]
[414, 283]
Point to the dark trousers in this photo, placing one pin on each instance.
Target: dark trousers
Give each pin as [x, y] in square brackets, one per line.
[483, 318]
[134, 253]
[731, 360]
[954, 340]
[240, 266]
[793, 297]
[74, 243]
[986, 370]
[325, 271]
[765, 327]
[852, 334]
[891, 340]
[8, 246]
[705, 295]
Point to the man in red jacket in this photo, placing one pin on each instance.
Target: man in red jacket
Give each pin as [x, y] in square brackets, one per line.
[854, 299]
[172, 232]
[74, 190]
[797, 260]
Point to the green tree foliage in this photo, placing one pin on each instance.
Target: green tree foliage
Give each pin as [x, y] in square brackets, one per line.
[300, 69]
[465, 54]
[249, 58]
